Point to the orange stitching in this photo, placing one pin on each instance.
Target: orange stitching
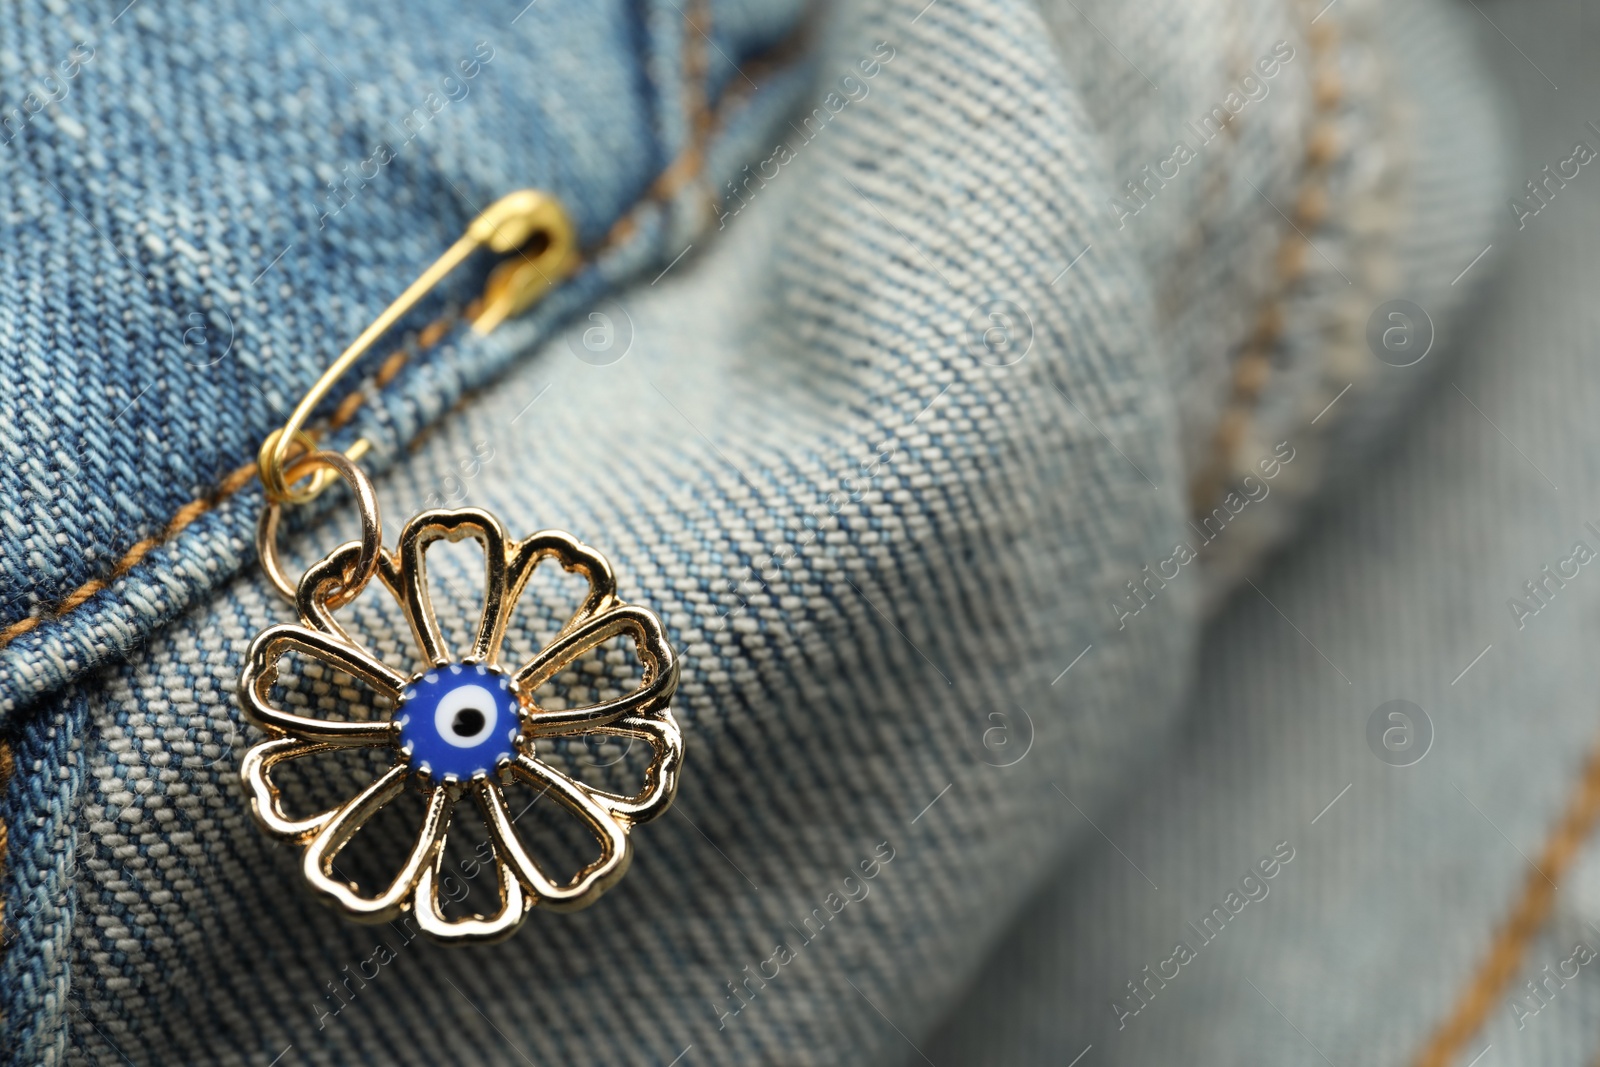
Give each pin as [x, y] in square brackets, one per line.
[684, 169]
[347, 408]
[431, 334]
[690, 162]
[1531, 910]
[390, 368]
[662, 189]
[1253, 366]
[8, 764]
[179, 522]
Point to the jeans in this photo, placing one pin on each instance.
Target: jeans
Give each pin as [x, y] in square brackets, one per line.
[903, 338]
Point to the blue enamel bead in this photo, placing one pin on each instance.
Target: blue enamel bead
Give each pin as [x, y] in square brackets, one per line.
[458, 721]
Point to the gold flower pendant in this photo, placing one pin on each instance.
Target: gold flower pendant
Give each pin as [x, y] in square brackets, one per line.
[463, 725]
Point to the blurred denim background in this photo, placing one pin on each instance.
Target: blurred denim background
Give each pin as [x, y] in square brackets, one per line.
[1055, 511]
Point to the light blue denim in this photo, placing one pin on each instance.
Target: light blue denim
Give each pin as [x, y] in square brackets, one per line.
[1416, 586]
[890, 415]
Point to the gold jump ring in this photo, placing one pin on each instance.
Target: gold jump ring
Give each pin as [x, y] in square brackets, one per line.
[371, 543]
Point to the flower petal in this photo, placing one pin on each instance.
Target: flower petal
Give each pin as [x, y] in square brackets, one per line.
[408, 578]
[616, 852]
[660, 779]
[321, 580]
[261, 670]
[338, 831]
[655, 690]
[479, 929]
[265, 802]
[574, 556]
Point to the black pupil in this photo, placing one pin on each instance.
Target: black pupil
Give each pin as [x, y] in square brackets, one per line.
[468, 721]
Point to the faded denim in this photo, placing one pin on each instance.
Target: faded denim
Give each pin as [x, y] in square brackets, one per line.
[905, 410]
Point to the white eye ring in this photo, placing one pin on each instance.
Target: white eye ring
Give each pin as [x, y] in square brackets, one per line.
[463, 699]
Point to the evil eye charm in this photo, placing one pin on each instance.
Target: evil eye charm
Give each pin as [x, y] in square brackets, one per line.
[459, 722]
[463, 729]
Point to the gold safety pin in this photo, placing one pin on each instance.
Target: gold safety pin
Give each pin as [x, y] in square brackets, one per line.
[527, 222]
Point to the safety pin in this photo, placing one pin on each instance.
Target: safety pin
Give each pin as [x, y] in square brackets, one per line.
[527, 222]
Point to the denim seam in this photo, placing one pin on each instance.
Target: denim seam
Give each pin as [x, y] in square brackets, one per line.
[1527, 917]
[1253, 366]
[683, 171]
[687, 167]
[8, 766]
[230, 485]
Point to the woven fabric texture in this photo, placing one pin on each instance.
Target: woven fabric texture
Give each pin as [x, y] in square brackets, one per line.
[893, 415]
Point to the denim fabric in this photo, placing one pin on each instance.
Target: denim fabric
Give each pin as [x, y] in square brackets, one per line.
[1371, 935]
[900, 419]
[191, 235]
[40, 811]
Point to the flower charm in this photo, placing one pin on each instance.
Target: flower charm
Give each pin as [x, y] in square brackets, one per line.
[463, 725]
